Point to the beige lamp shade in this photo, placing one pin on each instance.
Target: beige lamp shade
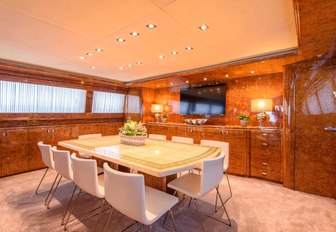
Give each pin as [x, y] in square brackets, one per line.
[261, 105]
[157, 108]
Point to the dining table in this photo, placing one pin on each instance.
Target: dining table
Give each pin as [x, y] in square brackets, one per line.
[158, 160]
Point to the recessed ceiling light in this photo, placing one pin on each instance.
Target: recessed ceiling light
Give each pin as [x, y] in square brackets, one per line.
[203, 27]
[252, 71]
[89, 54]
[99, 50]
[205, 78]
[227, 75]
[130, 65]
[161, 56]
[121, 40]
[81, 57]
[174, 52]
[122, 68]
[189, 48]
[187, 81]
[139, 62]
[151, 26]
[93, 67]
[134, 33]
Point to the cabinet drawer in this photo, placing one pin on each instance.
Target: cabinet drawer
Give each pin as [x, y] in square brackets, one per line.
[266, 174]
[266, 165]
[269, 154]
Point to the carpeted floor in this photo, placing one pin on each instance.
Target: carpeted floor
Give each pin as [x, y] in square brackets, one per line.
[256, 205]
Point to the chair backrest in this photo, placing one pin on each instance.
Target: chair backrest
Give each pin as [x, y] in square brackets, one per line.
[46, 153]
[212, 173]
[157, 137]
[62, 163]
[89, 136]
[179, 139]
[126, 193]
[225, 147]
[85, 175]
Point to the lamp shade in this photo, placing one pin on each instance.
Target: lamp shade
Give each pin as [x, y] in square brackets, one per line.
[157, 108]
[261, 105]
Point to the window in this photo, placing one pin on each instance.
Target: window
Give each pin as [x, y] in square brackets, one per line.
[104, 102]
[30, 98]
[133, 104]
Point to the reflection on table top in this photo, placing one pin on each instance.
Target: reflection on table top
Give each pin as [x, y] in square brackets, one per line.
[157, 158]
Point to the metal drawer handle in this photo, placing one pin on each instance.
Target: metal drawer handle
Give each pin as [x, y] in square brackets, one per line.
[264, 154]
[264, 164]
[4, 134]
[329, 128]
[264, 144]
[264, 173]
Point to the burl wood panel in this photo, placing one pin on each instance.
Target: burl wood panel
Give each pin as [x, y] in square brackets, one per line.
[238, 99]
[310, 157]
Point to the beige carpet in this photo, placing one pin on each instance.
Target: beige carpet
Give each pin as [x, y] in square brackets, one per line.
[256, 206]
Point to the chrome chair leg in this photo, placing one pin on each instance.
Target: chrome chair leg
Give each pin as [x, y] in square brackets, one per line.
[52, 194]
[71, 210]
[227, 178]
[101, 208]
[51, 189]
[109, 219]
[164, 221]
[69, 203]
[199, 215]
[41, 180]
[227, 215]
[173, 219]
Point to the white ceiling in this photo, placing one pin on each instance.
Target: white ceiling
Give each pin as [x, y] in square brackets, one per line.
[54, 33]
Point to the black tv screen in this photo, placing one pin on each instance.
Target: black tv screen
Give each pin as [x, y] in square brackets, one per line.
[203, 100]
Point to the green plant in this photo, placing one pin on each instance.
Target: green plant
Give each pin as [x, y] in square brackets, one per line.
[164, 116]
[244, 117]
[133, 128]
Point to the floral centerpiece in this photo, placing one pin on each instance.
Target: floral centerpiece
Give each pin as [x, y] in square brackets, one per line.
[133, 133]
[244, 118]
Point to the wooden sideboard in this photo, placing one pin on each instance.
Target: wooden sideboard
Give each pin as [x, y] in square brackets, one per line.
[254, 151]
[18, 145]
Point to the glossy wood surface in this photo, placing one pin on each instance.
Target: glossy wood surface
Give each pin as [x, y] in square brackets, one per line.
[156, 158]
[309, 149]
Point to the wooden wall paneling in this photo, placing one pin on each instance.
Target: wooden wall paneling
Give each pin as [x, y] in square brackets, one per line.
[36, 134]
[1, 154]
[14, 151]
[60, 133]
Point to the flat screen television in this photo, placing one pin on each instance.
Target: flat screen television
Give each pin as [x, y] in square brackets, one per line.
[203, 100]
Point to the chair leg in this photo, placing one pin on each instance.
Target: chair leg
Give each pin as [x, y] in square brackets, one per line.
[41, 180]
[52, 187]
[52, 194]
[199, 216]
[69, 203]
[72, 209]
[190, 202]
[98, 217]
[109, 219]
[227, 178]
[164, 221]
[220, 198]
[135, 222]
[173, 219]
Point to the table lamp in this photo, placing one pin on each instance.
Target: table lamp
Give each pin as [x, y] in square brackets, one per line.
[157, 109]
[261, 106]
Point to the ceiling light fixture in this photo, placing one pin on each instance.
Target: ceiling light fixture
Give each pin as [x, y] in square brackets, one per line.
[99, 50]
[130, 65]
[174, 52]
[189, 48]
[89, 54]
[139, 62]
[121, 40]
[151, 26]
[203, 27]
[93, 67]
[81, 57]
[161, 56]
[134, 33]
[122, 68]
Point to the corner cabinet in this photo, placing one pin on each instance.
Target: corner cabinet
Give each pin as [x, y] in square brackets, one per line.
[254, 151]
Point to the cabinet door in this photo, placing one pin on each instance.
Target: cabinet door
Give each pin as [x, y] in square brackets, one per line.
[60, 133]
[14, 148]
[35, 135]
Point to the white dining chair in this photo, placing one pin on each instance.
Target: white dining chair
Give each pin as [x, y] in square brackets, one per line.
[48, 160]
[196, 186]
[180, 139]
[157, 137]
[225, 147]
[127, 193]
[86, 178]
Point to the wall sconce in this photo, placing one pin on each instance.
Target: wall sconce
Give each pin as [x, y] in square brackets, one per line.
[157, 109]
[261, 106]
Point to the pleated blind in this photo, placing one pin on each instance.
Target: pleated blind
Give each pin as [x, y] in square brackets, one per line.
[105, 102]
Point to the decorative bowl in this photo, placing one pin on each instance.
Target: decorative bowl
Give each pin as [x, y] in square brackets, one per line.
[196, 121]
